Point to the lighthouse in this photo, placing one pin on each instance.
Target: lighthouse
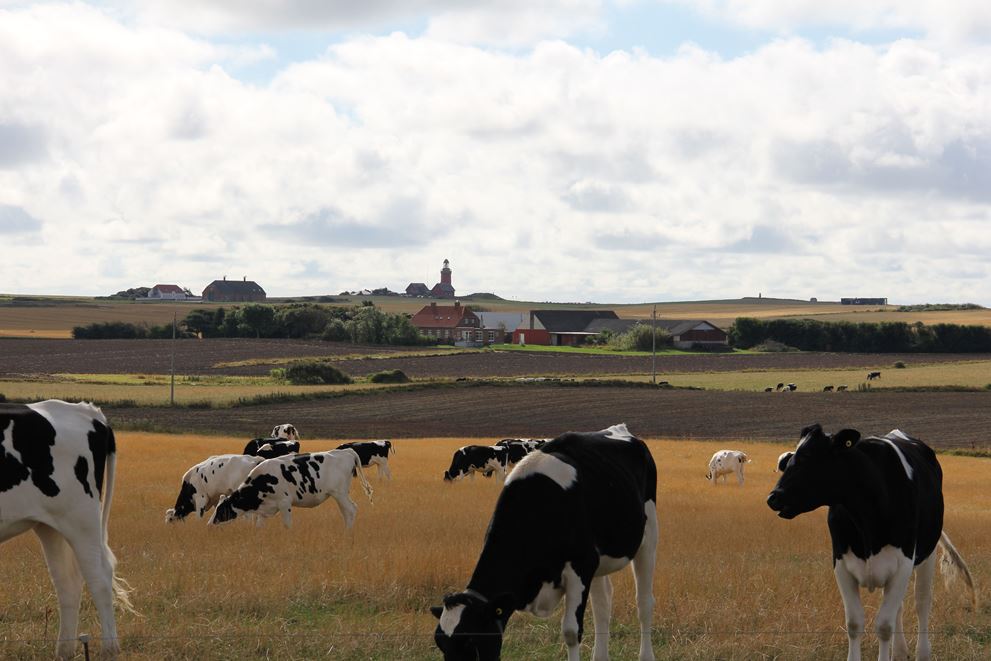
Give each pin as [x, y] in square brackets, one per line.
[444, 288]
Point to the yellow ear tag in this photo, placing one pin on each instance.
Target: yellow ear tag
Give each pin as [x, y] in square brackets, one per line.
[498, 611]
[849, 444]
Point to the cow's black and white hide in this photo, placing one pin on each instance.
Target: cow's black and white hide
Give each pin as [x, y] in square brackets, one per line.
[55, 459]
[471, 459]
[204, 484]
[579, 508]
[285, 431]
[885, 519]
[373, 453]
[270, 448]
[725, 463]
[873, 375]
[305, 480]
[517, 448]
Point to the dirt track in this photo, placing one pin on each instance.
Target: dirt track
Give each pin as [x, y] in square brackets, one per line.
[941, 419]
[35, 357]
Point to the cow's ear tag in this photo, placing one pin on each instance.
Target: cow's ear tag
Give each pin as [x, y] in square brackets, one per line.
[849, 444]
[499, 612]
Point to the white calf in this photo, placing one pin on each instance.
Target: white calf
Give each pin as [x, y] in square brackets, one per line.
[726, 462]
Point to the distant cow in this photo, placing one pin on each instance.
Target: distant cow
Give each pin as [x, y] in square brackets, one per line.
[779, 386]
[285, 431]
[828, 389]
[270, 448]
[571, 513]
[304, 480]
[769, 389]
[791, 387]
[519, 448]
[873, 375]
[727, 462]
[885, 500]
[207, 482]
[840, 388]
[373, 453]
[471, 459]
[54, 457]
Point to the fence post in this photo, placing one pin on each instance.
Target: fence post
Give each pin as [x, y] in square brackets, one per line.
[84, 639]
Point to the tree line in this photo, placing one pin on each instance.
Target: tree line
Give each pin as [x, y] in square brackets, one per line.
[361, 324]
[845, 336]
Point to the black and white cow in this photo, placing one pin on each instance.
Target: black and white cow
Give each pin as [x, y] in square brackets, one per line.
[53, 460]
[284, 440]
[373, 453]
[885, 500]
[305, 480]
[471, 459]
[517, 448]
[204, 484]
[579, 508]
[873, 375]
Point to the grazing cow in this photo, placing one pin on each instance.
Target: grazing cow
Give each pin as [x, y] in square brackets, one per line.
[885, 501]
[517, 448]
[840, 388]
[204, 484]
[373, 453]
[579, 508]
[305, 480]
[873, 375]
[791, 387]
[828, 389]
[779, 386]
[54, 457]
[484, 459]
[724, 463]
[769, 389]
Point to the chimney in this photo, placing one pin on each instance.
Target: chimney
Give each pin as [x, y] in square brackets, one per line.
[433, 308]
[225, 278]
[457, 305]
[245, 278]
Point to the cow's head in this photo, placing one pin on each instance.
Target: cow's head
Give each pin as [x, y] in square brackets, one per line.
[246, 499]
[470, 626]
[458, 467]
[285, 431]
[814, 474]
[188, 501]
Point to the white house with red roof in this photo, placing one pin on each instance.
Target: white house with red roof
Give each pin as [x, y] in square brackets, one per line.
[168, 293]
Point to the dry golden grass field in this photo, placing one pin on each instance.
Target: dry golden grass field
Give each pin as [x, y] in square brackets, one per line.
[733, 581]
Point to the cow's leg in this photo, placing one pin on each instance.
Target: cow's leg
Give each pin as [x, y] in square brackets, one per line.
[286, 515]
[601, 594]
[68, 584]
[852, 607]
[577, 582]
[643, 574]
[900, 649]
[739, 476]
[348, 509]
[923, 605]
[93, 559]
[894, 595]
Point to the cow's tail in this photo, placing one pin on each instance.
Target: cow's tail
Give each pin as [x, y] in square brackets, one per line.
[392, 448]
[953, 567]
[122, 590]
[365, 486]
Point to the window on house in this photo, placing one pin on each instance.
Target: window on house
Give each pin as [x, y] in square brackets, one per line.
[478, 335]
[491, 336]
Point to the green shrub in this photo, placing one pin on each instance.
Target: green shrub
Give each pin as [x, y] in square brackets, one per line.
[389, 376]
[310, 372]
[899, 365]
[639, 338]
[773, 346]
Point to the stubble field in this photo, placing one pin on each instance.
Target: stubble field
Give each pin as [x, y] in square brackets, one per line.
[733, 581]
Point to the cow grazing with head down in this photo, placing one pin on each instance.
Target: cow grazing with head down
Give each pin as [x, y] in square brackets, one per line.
[207, 482]
[579, 508]
[725, 463]
[873, 375]
[373, 453]
[306, 480]
[885, 501]
[54, 457]
[471, 459]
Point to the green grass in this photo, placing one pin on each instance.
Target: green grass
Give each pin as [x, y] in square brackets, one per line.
[600, 351]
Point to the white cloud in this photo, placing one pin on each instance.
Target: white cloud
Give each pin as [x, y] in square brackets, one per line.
[552, 172]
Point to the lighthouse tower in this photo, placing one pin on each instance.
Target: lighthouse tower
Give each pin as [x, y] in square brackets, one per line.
[444, 288]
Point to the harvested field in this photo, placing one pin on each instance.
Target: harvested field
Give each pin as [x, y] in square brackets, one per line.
[34, 357]
[732, 582]
[942, 419]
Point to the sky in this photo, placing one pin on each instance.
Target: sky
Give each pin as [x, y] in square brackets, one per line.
[553, 150]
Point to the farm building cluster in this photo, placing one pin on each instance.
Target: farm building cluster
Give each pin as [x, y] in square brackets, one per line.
[218, 291]
[461, 326]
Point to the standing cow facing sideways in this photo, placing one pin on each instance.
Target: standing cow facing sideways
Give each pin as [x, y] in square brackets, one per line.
[725, 463]
[207, 482]
[373, 453]
[305, 480]
[579, 508]
[471, 459]
[885, 500]
[53, 460]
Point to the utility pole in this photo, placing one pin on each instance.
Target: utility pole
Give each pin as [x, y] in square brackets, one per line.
[172, 370]
[653, 346]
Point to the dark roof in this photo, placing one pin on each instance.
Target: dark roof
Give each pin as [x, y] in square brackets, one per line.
[417, 289]
[615, 326]
[679, 326]
[565, 321]
[442, 289]
[237, 287]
